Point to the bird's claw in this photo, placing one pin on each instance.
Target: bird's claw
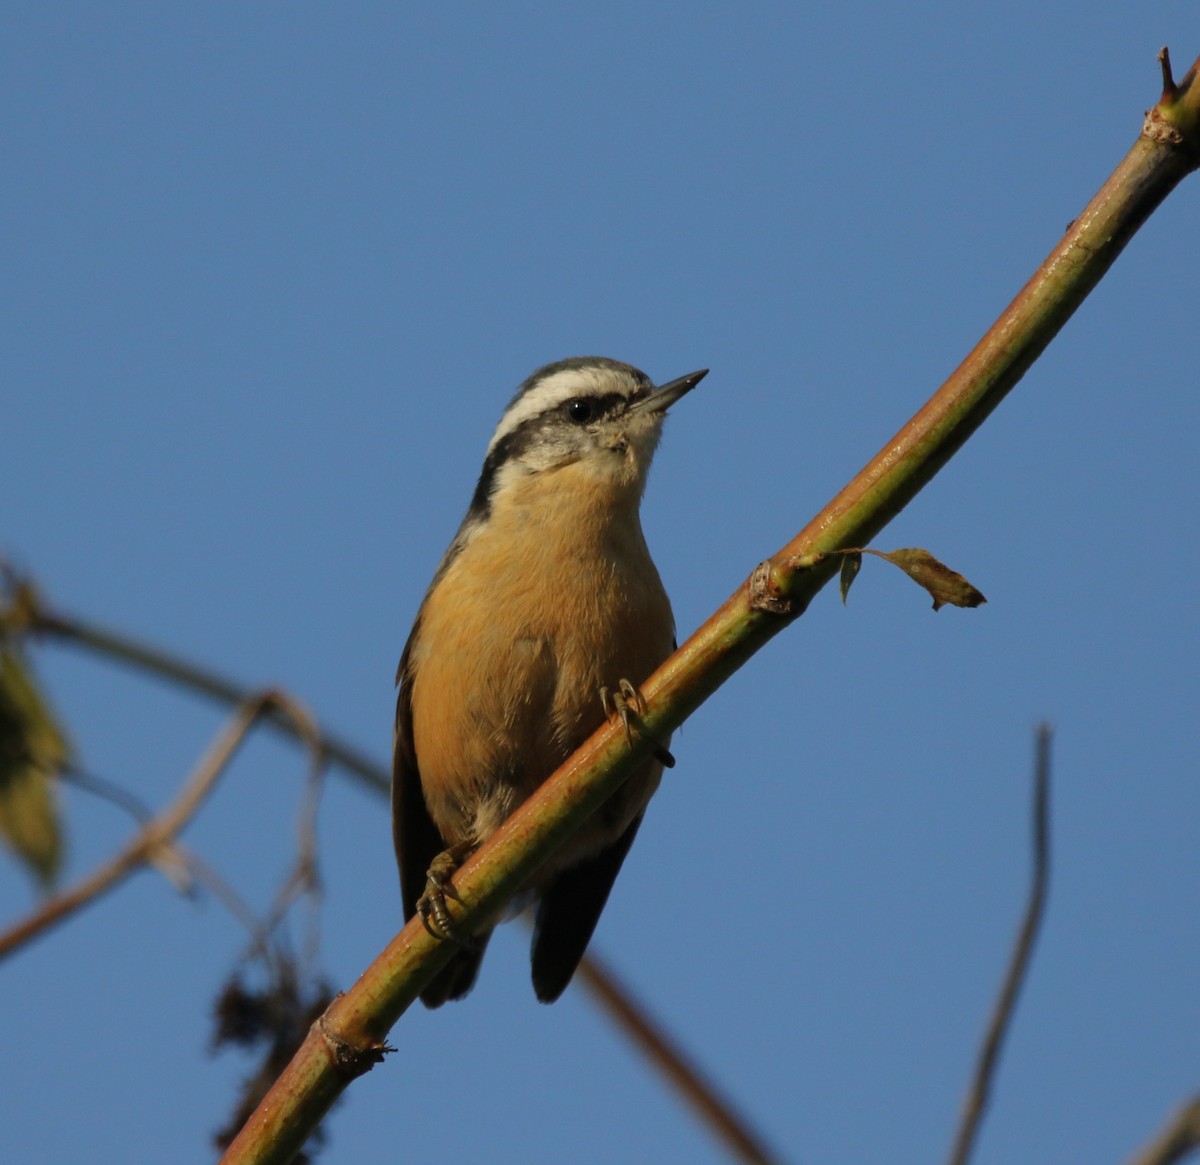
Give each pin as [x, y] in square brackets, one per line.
[431, 906]
[627, 703]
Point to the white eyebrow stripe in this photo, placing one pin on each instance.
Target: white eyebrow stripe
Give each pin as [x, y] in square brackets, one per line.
[553, 391]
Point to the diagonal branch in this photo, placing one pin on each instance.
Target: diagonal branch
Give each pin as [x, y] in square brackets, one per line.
[670, 1059]
[993, 1040]
[349, 1039]
[1176, 1141]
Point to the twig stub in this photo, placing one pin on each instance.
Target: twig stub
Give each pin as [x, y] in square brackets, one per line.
[350, 1061]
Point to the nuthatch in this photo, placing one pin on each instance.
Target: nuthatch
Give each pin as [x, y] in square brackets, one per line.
[546, 601]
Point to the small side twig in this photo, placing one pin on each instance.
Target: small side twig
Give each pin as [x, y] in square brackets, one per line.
[989, 1053]
[191, 863]
[107, 790]
[305, 879]
[157, 835]
[1176, 1141]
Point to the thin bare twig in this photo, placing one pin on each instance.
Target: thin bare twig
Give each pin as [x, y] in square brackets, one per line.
[1175, 1141]
[989, 1054]
[196, 868]
[305, 878]
[156, 837]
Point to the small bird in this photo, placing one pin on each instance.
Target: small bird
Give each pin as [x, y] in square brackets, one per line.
[546, 601]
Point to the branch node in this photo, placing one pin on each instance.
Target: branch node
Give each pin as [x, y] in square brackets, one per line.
[1172, 122]
[1157, 129]
[349, 1060]
[765, 594]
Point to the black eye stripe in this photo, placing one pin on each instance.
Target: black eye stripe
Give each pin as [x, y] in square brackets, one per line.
[581, 409]
[515, 443]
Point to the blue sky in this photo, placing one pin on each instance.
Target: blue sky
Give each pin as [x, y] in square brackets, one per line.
[270, 276]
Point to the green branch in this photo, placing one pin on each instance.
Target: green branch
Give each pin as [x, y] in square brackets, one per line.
[349, 1039]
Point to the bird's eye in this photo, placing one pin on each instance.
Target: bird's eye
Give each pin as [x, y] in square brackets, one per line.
[580, 410]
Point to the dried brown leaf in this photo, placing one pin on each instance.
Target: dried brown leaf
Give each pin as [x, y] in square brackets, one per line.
[944, 584]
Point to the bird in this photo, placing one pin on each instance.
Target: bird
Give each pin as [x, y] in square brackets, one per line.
[545, 612]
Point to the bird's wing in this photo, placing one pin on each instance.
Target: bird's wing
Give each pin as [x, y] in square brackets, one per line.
[418, 842]
[416, 838]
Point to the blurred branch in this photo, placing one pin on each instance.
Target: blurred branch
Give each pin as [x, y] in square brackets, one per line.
[108, 791]
[349, 1039]
[644, 1031]
[993, 1040]
[671, 1060]
[155, 840]
[1176, 1141]
[192, 863]
[40, 619]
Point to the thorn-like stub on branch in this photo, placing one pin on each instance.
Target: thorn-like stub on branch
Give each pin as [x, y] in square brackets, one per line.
[350, 1061]
[1173, 120]
[765, 594]
[1164, 59]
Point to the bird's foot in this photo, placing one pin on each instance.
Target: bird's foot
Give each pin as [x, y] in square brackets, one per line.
[627, 703]
[431, 906]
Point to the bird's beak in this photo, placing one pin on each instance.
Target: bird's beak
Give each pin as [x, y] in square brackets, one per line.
[663, 397]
